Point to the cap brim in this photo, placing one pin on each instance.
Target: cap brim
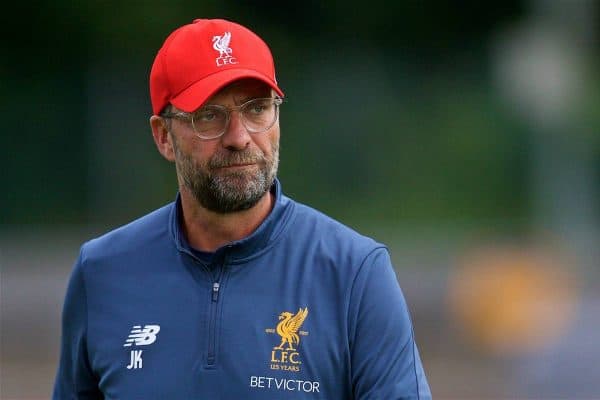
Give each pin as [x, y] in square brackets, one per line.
[196, 95]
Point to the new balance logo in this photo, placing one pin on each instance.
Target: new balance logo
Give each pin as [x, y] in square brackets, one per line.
[142, 336]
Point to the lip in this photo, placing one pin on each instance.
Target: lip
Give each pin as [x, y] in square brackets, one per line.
[235, 166]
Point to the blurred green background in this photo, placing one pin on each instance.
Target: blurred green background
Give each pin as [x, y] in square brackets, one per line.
[440, 128]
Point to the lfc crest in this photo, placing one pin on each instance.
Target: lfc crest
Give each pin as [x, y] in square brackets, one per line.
[285, 355]
[221, 44]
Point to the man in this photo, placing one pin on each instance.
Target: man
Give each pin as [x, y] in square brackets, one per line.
[233, 291]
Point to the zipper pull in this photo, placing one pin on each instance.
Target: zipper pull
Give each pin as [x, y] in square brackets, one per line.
[215, 291]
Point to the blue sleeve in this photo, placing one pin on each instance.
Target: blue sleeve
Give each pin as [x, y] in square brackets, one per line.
[385, 360]
[75, 378]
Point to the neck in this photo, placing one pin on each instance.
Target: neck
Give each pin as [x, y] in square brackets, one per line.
[207, 230]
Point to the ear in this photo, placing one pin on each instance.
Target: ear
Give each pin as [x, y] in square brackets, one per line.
[162, 139]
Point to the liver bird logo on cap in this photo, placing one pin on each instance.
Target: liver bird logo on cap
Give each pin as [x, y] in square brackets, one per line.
[221, 44]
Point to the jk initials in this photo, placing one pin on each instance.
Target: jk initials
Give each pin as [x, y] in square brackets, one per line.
[136, 359]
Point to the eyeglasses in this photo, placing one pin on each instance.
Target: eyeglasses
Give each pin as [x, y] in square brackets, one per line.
[211, 121]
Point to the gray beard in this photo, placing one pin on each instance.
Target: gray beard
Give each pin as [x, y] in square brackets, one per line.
[228, 192]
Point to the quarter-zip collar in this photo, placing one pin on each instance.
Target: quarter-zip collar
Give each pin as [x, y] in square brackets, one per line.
[267, 232]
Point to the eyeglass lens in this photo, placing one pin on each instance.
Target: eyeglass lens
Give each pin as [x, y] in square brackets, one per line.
[258, 115]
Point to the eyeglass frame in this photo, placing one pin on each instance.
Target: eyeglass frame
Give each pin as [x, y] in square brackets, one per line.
[277, 101]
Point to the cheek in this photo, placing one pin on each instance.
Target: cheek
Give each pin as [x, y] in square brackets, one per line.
[271, 142]
[199, 153]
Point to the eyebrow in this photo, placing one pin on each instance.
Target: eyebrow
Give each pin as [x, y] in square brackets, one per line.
[239, 102]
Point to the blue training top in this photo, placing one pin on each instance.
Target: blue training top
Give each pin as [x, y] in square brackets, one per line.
[303, 308]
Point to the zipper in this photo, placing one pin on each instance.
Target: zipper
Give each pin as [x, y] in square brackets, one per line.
[212, 323]
[215, 292]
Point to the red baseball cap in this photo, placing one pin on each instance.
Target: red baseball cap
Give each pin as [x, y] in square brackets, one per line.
[198, 59]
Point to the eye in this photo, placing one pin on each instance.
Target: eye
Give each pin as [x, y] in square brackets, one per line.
[258, 106]
[209, 115]
[206, 116]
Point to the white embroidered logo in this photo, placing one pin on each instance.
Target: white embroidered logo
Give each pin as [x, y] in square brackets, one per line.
[142, 337]
[221, 44]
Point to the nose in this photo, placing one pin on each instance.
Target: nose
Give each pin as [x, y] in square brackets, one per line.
[236, 136]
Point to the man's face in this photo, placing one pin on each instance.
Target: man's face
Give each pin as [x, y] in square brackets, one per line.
[233, 172]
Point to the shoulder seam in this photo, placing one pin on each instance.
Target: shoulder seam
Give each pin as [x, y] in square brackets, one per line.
[358, 271]
[349, 297]
[86, 304]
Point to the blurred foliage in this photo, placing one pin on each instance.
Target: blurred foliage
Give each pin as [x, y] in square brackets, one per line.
[390, 112]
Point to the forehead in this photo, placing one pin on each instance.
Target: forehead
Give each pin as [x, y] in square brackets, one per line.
[241, 90]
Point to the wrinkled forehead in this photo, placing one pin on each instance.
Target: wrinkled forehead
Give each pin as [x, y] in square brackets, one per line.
[240, 91]
[236, 93]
